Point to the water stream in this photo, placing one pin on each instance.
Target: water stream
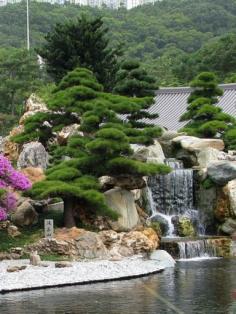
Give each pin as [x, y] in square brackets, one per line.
[171, 198]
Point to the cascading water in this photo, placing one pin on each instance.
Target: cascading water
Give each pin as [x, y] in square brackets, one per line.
[171, 196]
[197, 248]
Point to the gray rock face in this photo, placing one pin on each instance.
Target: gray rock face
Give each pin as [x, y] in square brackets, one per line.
[206, 156]
[231, 189]
[126, 182]
[229, 226]
[222, 172]
[163, 258]
[192, 143]
[25, 215]
[90, 245]
[152, 153]
[33, 155]
[123, 202]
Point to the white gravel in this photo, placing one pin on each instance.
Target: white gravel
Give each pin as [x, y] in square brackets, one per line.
[80, 272]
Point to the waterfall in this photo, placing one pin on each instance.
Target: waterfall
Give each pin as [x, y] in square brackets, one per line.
[171, 196]
[197, 248]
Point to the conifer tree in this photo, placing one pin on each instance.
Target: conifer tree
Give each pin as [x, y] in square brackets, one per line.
[103, 150]
[205, 118]
[133, 81]
[81, 43]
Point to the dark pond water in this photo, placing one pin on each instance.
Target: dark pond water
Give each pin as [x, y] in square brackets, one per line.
[203, 287]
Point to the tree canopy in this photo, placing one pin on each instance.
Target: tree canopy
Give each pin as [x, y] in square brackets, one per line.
[84, 43]
[102, 149]
[205, 118]
[165, 36]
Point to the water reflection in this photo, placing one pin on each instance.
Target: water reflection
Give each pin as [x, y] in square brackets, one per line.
[203, 287]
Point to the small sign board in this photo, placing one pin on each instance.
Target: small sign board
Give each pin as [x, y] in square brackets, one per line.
[48, 228]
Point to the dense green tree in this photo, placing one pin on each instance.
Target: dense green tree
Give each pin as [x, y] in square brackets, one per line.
[204, 118]
[19, 76]
[133, 81]
[104, 148]
[81, 43]
[148, 32]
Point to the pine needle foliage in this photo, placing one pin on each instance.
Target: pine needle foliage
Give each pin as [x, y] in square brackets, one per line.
[103, 150]
[204, 118]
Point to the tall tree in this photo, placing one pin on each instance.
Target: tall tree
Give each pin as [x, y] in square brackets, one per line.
[81, 43]
[19, 76]
[204, 118]
[104, 148]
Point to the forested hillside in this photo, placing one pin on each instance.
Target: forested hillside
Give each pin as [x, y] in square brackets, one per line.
[173, 38]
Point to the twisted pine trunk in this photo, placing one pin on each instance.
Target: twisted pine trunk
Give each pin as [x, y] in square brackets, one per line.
[69, 213]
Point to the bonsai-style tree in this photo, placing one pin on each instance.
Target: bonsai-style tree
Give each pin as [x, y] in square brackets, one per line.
[133, 81]
[79, 98]
[204, 118]
[10, 180]
[83, 43]
[103, 149]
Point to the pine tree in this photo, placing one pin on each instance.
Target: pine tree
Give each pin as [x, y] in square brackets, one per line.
[103, 150]
[81, 43]
[204, 118]
[133, 81]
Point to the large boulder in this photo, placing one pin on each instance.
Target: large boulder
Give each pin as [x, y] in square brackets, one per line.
[222, 172]
[163, 258]
[229, 226]
[152, 153]
[33, 155]
[123, 202]
[231, 191]
[89, 245]
[195, 144]
[24, 215]
[206, 156]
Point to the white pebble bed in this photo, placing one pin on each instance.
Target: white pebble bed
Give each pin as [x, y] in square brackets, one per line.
[81, 272]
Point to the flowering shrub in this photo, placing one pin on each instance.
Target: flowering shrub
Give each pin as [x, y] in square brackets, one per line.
[10, 180]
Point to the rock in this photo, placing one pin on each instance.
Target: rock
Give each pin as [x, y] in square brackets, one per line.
[62, 264]
[163, 223]
[163, 258]
[24, 215]
[90, 245]
[151, 234]
[196, 144]
[222, 209]
[11, 269]
[231, 191]
[67, 132]
[13, 231]
[229, 226]
[4, 224]
[206, 156]
[33, 155]
[122, 201]
[189, 159]
[126, 182]
[170, 135]
[139, 242]
[185, 227]
[35, 259]
[53, 246]
[109, 237]
[33, 105]
[222, 172]
[152, 153]
[11, 150]
[16, 250]
[34, 174]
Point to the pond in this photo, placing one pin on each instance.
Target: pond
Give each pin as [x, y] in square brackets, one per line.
[201, 287]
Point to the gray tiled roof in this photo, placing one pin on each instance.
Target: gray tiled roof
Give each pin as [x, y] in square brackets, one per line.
[171, 102]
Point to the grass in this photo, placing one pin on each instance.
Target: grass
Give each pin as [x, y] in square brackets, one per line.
[29, 234]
